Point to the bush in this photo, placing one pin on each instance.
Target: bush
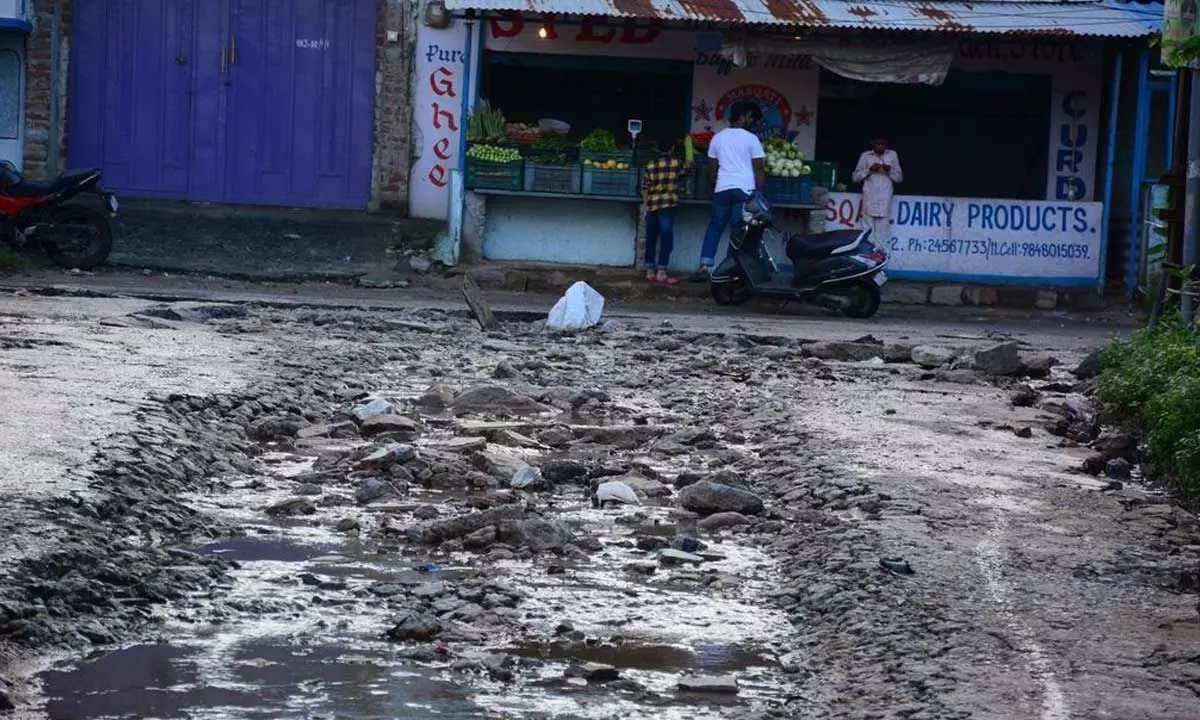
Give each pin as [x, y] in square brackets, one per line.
[1155, 379]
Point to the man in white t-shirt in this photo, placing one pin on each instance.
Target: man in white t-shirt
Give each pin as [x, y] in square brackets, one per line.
[737, 165]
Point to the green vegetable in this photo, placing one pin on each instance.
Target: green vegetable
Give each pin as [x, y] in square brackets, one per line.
[493, 154]
[599, 141]
[486, 123]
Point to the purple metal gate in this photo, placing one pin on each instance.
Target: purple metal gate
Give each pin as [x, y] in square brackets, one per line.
[246, 101]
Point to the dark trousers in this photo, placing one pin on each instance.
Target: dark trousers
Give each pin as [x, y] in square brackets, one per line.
[660, 238]
[726, 210]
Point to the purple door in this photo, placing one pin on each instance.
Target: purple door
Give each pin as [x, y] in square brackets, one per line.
[247, 101]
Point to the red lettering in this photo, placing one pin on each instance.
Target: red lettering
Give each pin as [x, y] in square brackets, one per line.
[439, 113]
[437, 176]
[548, 26]
[441, 148]
[630, 34]
[516, 24]
[441, 82]
[587, 32]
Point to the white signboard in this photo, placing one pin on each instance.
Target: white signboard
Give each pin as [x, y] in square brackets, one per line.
[437, 118]
[985, 241]
[784, 86]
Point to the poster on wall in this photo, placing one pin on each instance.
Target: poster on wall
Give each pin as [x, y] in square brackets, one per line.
[783, 86]
[439, 89]
[986, 241]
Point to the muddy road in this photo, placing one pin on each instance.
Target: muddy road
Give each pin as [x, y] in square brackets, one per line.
[220, 510]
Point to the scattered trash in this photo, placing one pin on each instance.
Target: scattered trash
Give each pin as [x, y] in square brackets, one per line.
[428, 567]
[578, 309]
[479, 306]
[525, 477]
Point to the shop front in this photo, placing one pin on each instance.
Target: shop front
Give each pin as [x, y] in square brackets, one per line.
[999, 139]
[14, 25]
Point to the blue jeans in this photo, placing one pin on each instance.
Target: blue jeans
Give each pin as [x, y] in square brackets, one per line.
[726, 210]
[660, 238]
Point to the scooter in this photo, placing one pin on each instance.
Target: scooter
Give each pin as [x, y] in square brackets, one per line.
[74, 236]
[841, 270]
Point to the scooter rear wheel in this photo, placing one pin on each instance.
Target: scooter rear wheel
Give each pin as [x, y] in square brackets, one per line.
[863, 299]
[81, 237]
[733, 292]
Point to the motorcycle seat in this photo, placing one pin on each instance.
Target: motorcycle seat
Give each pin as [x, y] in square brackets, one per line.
[820, 245]
[38, 188]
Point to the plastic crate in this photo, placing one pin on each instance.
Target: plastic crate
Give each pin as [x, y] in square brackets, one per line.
[789, 190]
[824, 174]
[493, 176]
[621, 156]
[702, 181]
[610, 183]
[545, 178]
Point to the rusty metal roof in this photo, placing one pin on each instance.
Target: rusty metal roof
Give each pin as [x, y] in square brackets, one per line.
[1098, 18]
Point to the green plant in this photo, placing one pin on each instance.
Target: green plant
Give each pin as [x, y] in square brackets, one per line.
[485, 123]
[12, 262]
[1154, 378]
[599, 141]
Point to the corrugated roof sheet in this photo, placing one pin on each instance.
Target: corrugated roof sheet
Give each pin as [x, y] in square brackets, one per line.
[1099, 18]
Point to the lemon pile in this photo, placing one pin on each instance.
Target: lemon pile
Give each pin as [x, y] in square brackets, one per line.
[606, 165]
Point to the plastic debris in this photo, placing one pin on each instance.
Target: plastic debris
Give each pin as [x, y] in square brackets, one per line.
[578, 309]
[616, 491]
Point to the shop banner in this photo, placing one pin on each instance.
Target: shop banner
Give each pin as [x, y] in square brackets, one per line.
[1000, 242]
[439, 89]
[918, 63]
[784, 86]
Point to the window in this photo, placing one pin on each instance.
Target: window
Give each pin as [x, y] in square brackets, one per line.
[10, 94]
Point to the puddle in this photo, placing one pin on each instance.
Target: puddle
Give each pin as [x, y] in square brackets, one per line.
[248, 682]
[705, 658]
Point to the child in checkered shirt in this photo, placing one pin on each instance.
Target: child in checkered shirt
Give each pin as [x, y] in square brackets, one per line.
[661, 180]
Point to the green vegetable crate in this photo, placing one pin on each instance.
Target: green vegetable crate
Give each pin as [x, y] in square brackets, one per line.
[610, 183]
[788, 190]
[702, 184]
[485, 175]
[552, 178]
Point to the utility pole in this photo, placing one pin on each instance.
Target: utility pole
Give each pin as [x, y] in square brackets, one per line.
[1191, 217]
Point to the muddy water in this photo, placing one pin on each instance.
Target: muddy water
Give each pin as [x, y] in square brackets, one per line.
[297, 635]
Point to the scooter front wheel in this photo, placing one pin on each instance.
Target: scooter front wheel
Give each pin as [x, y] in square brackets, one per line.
[862, 299]
[731, 292]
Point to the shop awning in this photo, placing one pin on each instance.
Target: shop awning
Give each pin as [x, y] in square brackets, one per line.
[1095, 18]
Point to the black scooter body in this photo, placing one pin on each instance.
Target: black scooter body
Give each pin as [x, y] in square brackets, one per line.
[836, 270]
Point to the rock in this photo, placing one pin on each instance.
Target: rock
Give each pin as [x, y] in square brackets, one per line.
[505, 371]
[1115, 443]
[376, 407]
[1089, 367]
[309, 489]
[344, 429]
[896, 565]
[512, 438]
[998, 360]
[724, 684]
[277, 427]
[652, 543]
[481, 539]
[389, 455]
[1095, 463]
[499, 463]
[438, 531]
[369, 490]
[930, 357]
[537, 534]
[1025, 432]
[495, 400]
[579, 308]
[463, 444]
[687, 478]
[615, 491]
[557, 437]
[389, 424]
[384, 279]
[562, 471]
[709, 498]
[1118, 469]
[645, 487]
[436, 397]
[527, 478]
[1024, 396]
[346, 525]
[426, 512]
[592, 672]
[415, 627]
[671, 556]
[1038, 366]
[292, 506]
[845, 351]
[419, 264]
[721, 520]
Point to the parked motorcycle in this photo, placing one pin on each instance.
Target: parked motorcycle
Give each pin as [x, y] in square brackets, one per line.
[72, 235]
[841, 270]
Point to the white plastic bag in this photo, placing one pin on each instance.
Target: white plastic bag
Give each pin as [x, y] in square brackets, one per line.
[578, 309]
[616, 491]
